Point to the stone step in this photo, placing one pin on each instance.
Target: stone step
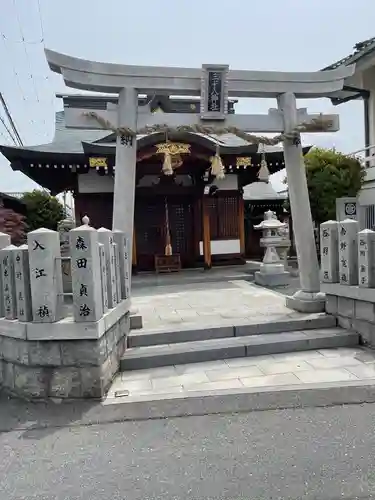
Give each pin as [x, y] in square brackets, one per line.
[143, 338]
[138, 358]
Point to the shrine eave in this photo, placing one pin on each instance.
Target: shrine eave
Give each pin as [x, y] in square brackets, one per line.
[206, 142]
[14, 153]
[362, 57]
[30, 155]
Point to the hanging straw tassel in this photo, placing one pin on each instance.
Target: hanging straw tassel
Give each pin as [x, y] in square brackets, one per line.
[168, 246]
[217, 167]
[167, 164]
[264, 173]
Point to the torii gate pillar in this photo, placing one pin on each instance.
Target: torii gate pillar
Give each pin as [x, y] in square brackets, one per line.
[309, 298]
[126, 159]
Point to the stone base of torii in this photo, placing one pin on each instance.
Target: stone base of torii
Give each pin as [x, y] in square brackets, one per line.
[214, 84]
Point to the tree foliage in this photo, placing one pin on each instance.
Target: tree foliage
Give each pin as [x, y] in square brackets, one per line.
[331, 175]
[43, 210]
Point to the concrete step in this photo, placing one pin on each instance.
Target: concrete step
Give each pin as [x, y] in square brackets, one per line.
[143, 338]
[138, 358]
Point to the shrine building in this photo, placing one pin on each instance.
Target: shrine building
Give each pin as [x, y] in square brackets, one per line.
[202, 217]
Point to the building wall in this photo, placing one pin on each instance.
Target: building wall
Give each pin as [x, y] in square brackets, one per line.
[97, 206]
[92, 182]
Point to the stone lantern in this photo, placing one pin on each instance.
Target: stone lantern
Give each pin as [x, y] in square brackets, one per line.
[272, 270]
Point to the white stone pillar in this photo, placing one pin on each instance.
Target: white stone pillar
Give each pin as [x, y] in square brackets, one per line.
[126, 160]
[120, 240]
[45, 275]
[348, 252]
[106, 238]
[9, 287]
[128, 266]
[4, 242]
[22, 280]
[329, 252]
[366, 258]
[86, 279]
[117, 271]
[63, 229]
[103, 277]
[309, 298]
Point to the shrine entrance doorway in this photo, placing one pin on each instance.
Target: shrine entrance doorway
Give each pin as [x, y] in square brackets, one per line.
[151, 215]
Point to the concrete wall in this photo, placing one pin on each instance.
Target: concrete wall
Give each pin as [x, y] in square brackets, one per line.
[63, 369]
[354, 314]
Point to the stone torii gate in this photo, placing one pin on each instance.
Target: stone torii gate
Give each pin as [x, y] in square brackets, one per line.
[214, 84]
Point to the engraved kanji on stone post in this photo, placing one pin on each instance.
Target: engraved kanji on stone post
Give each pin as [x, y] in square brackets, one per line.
[22, 280]
[329, 252]
[348, 252]
[103, 277]
[120, 240]
[366, 254]
[45, 275]
[4, 242]
[106, 238]
[9, 286]
[86, 279]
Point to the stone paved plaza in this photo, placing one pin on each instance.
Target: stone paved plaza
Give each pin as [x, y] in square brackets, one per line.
[208, 304]
[282, 370]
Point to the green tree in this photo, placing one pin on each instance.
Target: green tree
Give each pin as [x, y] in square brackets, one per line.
[43, 210]
[330, 175]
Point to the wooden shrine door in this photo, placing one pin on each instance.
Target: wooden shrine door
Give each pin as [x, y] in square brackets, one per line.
[150, 227]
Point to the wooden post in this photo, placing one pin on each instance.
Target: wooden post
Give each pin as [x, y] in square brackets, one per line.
[206, 235]
[241, 224]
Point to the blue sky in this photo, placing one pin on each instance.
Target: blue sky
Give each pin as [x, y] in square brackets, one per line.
[287, 35]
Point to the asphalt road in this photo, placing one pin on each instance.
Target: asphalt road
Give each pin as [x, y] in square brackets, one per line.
[317, 453]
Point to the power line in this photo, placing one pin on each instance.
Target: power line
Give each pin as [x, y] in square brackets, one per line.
[26, 52]
[7, 129]
[41, 22]
[11, 121]
[6, 139]
[45, 78]
[27, 42]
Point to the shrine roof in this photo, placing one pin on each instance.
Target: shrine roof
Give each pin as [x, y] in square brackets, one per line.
[13, 203]
[361, 52]
[261, 191]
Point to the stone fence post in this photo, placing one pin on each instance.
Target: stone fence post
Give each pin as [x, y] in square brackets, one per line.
[9, 286]
[128, 267]
[86, 274]
[22, 280]
[106, 239]
[122, 252]
[4, 242]
[329, 252]
[63, 229]
[45, 275]
[366, 255]
[348, 252]
[103, 275]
